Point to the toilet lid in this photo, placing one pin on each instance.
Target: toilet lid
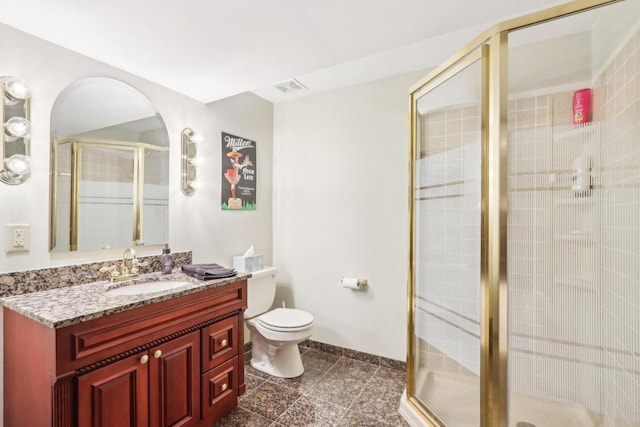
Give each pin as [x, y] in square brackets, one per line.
[286, 318]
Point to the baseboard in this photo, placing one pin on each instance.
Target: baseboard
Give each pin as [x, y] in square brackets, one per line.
[397, 365]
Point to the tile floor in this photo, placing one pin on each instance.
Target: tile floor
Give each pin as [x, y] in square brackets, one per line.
[333, 391]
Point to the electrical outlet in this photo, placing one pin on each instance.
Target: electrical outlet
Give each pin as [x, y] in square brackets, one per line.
[17, 238]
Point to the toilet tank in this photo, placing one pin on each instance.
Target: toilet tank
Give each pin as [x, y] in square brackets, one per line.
[261, 290]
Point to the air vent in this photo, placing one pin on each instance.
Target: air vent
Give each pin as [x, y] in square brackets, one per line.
[290, 86]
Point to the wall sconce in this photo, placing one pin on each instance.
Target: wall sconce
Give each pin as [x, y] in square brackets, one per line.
[190, 162]
[16, 131]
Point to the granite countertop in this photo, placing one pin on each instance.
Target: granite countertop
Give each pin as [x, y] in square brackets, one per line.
[57, 308]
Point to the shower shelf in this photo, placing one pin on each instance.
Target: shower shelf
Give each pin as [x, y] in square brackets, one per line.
[565, 133]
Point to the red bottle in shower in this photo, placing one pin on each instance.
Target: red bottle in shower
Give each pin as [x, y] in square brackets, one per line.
[581, 106]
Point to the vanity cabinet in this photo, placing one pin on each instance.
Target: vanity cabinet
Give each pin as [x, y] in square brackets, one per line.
[158, 387]
[176, 362]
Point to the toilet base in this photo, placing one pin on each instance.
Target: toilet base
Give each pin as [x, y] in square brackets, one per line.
[279, 359]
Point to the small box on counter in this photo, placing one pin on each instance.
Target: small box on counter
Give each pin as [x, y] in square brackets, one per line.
[247, 264]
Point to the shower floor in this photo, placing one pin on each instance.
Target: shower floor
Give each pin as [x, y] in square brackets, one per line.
[455, 398]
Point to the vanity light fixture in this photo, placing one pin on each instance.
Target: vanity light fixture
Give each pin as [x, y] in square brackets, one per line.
[190, 162]
[14, 91]
[16, 127]
[16, 131]
[19, 164]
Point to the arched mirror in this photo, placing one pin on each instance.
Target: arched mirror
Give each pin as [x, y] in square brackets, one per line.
[109, 168]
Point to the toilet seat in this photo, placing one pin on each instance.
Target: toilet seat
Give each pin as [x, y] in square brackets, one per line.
[286, 320]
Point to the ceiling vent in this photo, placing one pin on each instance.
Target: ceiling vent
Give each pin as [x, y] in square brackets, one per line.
[290, 86]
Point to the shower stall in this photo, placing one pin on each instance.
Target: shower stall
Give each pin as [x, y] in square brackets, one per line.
[108, 193]
[524, 290]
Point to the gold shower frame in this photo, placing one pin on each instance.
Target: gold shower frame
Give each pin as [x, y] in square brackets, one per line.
[491, 49]
[138, 149]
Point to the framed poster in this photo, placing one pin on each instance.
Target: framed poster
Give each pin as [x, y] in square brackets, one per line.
[239, 173]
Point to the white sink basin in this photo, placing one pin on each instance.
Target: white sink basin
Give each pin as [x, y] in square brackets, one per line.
[147, 287]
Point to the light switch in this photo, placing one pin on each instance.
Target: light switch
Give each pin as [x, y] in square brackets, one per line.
[17, 237]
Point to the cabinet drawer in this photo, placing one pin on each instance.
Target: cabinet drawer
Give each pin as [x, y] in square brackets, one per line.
[219, 342]
[220, 390]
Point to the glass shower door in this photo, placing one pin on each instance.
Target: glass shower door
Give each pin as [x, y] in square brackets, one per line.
[106, 190]
[574, 220]
[446, 247]
[155, 203]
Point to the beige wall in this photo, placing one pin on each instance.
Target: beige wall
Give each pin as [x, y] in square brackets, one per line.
[341, 209]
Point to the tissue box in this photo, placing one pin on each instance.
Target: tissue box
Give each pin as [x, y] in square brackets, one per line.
[247, 264]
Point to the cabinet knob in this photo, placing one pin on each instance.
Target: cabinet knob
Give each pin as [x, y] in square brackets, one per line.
[157, 354]
[224, 387]
[223, 343]
[144, 359]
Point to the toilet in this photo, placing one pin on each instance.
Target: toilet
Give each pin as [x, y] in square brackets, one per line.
[275, 334]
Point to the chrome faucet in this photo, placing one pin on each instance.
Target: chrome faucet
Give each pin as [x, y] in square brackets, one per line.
[128, 268]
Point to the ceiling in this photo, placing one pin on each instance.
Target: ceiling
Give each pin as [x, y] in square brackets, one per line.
[212, 49]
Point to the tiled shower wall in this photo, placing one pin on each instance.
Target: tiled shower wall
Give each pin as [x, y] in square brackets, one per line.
[617, 92]
[448, 292]
[574, 255]
[448, 226]
[447, 295]
[106, 191]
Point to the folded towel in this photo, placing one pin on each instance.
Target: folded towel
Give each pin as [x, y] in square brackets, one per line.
[208, 271]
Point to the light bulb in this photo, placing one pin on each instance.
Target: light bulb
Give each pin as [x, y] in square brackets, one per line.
[17, 89]
[196, 161]
[195, 184]
[17, 127]
[19, 164]
[196, 138]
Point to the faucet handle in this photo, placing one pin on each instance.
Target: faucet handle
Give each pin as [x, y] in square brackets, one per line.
[135, 264]
[112, 270]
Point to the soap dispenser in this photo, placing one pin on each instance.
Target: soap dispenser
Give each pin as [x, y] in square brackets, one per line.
[166, 261]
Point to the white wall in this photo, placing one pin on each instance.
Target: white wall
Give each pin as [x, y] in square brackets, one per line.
[196, 223]
[341, 209]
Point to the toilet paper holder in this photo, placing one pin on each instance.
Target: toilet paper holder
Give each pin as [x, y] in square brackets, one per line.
[353, 283]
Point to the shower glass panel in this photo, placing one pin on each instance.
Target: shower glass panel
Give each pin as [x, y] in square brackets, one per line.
[574, 220]
[62, 193]
[446, 248]
[155, 198]
[106, 188]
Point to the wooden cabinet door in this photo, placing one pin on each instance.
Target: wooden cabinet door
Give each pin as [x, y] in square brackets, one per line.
[174, 382]
[116, 395]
